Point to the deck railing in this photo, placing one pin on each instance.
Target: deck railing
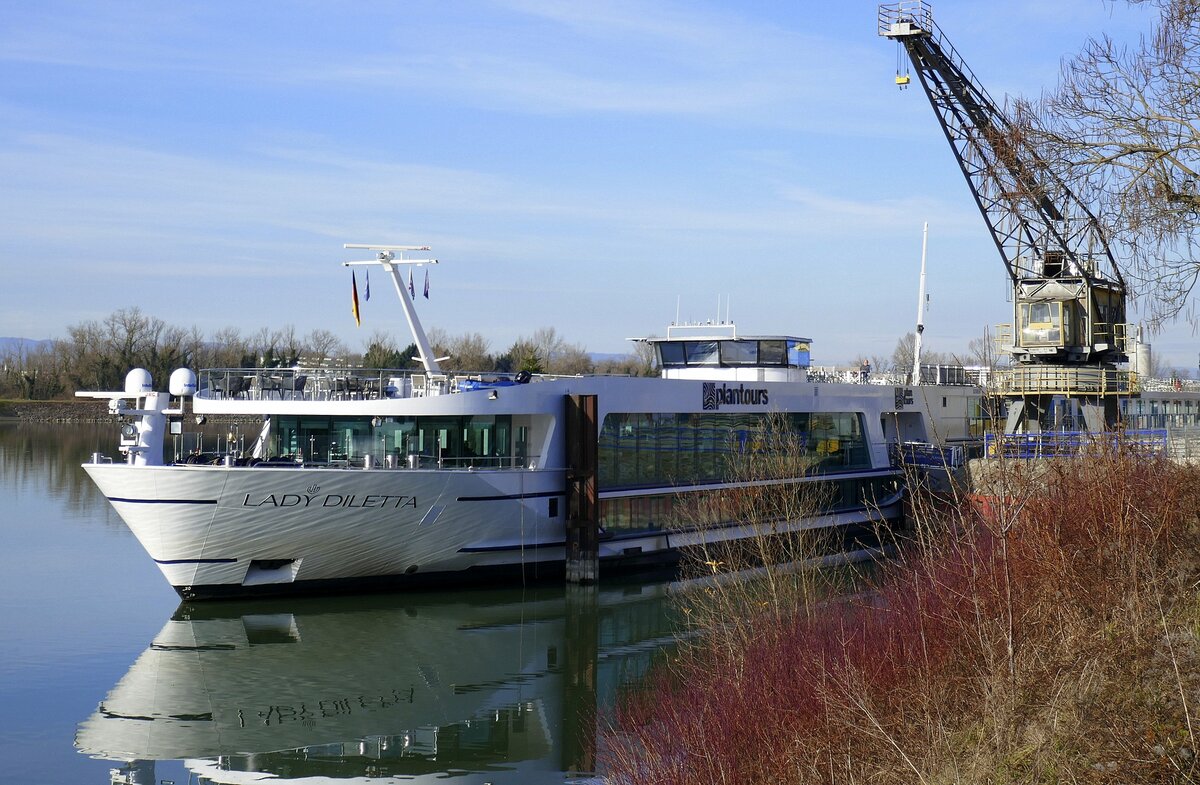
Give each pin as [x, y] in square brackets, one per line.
[330, 384]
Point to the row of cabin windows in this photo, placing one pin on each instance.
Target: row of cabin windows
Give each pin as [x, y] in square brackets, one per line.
[633, 514]
[635, 450]
[477, 440]
[646, 450]
[777, 352]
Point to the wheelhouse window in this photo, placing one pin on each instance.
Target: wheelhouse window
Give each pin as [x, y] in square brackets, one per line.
[772, 352]
[734, 352]
[701, 352]
[670, 354]
[739, 352]
[798, 354]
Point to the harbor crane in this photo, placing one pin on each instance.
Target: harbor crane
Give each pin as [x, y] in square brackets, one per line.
[1068, 335]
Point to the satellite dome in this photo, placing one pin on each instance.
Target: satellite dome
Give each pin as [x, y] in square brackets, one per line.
[138, 382]
[183, 382]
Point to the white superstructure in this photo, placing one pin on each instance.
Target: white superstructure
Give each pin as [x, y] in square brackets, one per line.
[366, 478]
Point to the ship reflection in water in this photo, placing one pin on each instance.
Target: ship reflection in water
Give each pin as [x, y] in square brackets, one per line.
[490, 686]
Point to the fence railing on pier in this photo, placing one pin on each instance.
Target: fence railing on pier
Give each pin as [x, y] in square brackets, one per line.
[1063, 444]
[927, 456]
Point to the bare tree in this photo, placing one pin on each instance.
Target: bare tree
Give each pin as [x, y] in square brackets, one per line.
[639, 362]
[572, 359]
[879, 363]
[559, 356]
[549, 344]
[439, 341]
[229, 349]
[290, 345]
[265, 347]
[646, 357]
[198, 350]
[1123, 128]
[320, 345]
[469, 352]
[31, 372]
[981, 351]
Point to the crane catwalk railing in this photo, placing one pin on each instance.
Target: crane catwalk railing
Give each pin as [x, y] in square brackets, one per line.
[1065, 380]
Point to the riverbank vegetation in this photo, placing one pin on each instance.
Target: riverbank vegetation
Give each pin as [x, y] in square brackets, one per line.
[1049, 635]
[96, 355]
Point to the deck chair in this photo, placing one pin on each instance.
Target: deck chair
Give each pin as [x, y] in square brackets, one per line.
[238, 386]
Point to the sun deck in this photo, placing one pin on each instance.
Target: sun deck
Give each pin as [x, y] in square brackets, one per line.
[343, 384]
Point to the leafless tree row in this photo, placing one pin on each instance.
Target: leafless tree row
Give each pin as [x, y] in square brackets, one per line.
[96, 355]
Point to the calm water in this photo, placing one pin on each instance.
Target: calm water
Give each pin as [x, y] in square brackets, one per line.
[102, 669]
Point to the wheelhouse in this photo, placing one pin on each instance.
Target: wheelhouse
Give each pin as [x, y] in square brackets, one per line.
[716, 351]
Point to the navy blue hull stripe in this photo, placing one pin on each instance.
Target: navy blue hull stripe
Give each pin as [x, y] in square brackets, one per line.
[542, 495]
[161, 501]
[533, 546]
[195, 561]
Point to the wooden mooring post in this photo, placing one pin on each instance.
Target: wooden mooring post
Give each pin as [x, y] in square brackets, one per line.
[583, 512]
[581, 646]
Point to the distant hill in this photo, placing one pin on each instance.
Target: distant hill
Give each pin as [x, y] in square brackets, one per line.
[13, 345]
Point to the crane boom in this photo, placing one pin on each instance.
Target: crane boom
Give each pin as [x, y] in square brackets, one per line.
[1032, 213]
[1068, 292]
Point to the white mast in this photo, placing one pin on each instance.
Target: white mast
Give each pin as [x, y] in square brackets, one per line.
[916, 369]
[387, 259]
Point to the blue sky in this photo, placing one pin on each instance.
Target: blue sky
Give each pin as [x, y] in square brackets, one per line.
[585, 166]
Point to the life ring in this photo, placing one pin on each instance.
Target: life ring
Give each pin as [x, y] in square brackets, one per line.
[523, 377]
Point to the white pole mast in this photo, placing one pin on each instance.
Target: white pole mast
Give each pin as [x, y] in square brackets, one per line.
[916, 369]
[387, 259]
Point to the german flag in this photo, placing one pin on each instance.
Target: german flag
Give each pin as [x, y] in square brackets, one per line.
[354, 301]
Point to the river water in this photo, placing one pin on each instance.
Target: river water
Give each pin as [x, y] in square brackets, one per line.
[106, 678]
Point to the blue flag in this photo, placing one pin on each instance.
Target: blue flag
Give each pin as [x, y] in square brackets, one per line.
[367, 293]
[411, 291]
[426, 284]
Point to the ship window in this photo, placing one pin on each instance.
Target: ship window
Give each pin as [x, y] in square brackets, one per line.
[701, 352]
[797, 354]
[670, 354]
[645, 450]
[683, 510]
[456, 442]
[739, 352]
[772, 352]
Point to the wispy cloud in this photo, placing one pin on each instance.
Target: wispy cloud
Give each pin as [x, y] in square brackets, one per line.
[539, 57]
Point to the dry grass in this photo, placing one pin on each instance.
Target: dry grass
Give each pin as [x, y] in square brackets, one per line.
[1052, 638]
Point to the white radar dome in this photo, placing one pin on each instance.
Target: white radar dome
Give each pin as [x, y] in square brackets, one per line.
[138, 382]
[183, 382]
